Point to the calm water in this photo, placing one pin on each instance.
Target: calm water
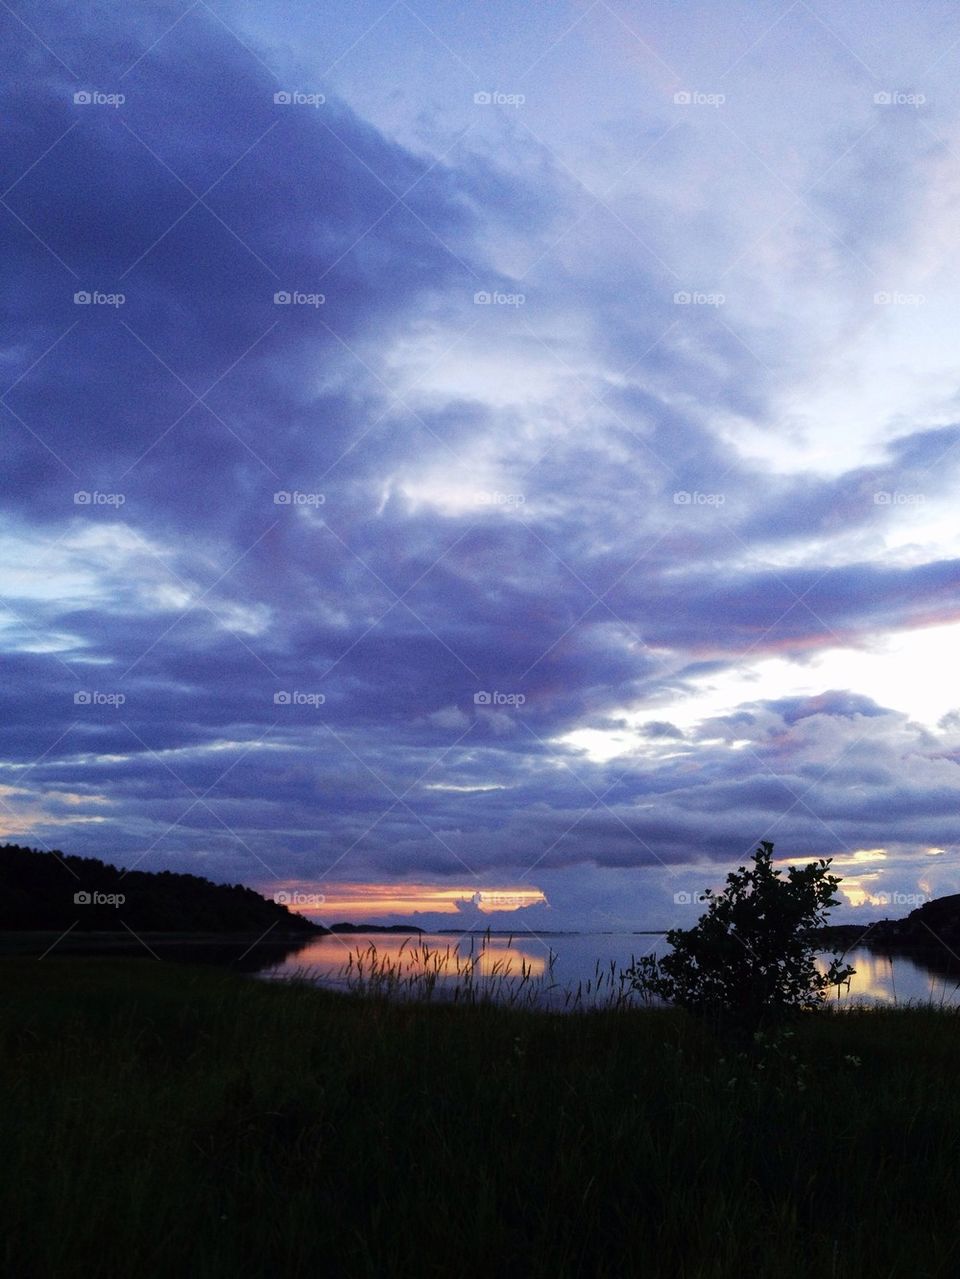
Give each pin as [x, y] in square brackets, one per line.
[553, 969]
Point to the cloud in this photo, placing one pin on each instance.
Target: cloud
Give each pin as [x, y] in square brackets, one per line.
[298, 537]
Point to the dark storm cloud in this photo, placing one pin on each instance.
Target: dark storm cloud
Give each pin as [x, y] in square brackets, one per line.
[291, 201]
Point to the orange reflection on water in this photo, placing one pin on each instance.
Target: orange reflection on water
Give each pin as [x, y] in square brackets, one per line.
[876, 979]
[872, 979]
[448, 957]
[512, 959]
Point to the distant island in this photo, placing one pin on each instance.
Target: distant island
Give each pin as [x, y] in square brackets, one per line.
[406, 929]
[54, 891]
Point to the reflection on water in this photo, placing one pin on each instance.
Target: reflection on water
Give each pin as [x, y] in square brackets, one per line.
[327, 957]
[896, 979]
[465, 967]
[561, 970]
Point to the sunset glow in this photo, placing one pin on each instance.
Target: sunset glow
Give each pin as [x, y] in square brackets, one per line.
[369, 902]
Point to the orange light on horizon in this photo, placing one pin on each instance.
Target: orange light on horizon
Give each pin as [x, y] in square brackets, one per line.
[367, 901]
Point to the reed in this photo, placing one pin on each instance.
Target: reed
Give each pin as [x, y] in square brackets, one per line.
[159, 1119]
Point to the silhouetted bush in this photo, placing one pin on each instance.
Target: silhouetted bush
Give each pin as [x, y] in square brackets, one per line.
[750, 960]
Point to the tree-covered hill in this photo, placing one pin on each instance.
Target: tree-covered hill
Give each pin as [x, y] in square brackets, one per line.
[54, 891]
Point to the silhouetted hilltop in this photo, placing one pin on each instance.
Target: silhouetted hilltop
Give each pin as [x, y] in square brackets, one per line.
[935, 924]
[932, 931]
[45, 891]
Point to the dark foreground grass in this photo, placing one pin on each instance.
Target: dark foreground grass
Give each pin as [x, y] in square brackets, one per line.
[173, 1121]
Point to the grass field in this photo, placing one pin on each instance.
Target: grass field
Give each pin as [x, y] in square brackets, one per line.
[161, 1120]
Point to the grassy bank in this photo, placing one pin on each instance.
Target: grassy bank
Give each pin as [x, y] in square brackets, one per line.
[161, 1120]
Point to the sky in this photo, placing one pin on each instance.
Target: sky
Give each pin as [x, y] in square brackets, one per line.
[483, 463]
